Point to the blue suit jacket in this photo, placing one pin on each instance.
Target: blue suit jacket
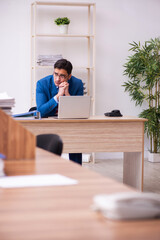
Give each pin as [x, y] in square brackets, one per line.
[46, 90]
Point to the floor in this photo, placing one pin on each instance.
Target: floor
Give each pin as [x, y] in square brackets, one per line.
[114, 168]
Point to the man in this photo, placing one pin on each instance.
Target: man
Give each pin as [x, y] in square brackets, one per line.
[50, 88]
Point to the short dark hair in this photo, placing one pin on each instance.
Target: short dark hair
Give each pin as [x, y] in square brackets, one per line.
[64, 64]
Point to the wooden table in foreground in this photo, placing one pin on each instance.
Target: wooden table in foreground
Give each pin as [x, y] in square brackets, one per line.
[100, 134]
[64, 212]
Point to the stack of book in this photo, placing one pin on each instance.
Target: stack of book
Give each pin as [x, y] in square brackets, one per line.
[6, 103]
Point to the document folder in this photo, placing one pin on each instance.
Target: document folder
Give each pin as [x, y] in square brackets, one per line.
[33, 114]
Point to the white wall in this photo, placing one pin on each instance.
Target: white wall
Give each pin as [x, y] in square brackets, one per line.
[118, 22]
[15, 51]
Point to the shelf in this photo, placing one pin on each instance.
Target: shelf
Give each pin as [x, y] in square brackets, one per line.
[51, 67]
[64, 4]
[43, 36]
[64, 35]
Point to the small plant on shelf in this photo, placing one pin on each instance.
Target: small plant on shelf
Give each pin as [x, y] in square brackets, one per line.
[62, 21]
[63, 24]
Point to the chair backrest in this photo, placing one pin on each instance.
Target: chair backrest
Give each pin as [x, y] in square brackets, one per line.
[32, 109]
[50, 142]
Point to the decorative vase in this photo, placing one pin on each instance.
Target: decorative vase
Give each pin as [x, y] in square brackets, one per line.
[153, 157]
[63, 29]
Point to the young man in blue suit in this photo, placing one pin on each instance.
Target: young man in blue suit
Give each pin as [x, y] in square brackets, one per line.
[51, 87]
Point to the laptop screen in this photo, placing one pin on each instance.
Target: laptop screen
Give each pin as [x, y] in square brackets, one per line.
[74, 107]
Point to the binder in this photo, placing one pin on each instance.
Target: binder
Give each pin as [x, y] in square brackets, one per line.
[33, 114]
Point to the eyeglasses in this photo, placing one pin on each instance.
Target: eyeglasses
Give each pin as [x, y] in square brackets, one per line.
[61, 76]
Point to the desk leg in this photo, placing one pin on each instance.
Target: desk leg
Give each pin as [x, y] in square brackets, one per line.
[133, 164]
[93, 159]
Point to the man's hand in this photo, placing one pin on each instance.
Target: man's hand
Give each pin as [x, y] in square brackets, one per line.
[66, 89]
[63, 90]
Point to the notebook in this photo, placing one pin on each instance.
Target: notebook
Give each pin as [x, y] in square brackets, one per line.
[74, 106]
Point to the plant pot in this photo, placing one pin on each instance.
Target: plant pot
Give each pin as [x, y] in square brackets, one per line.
[153, 157]
[63, 29]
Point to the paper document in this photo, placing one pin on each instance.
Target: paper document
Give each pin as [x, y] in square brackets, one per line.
[5, 96]
[6, 103]
[36, 181]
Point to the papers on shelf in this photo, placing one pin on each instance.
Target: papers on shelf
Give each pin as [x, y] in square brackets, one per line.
[6, 103]
[36, 181]
[48, 60]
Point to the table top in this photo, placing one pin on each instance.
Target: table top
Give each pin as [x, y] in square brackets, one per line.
[64, 212]
[91, 119]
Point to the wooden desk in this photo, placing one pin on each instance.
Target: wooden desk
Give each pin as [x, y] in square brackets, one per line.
[64, 212]
[100, 134]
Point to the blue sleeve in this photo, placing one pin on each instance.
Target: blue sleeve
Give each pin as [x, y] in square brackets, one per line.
[80, 89]
[44, 106]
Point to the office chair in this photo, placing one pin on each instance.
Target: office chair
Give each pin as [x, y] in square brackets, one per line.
[50, 142]
[32, 109]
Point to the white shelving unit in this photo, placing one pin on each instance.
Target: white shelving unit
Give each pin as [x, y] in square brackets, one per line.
[46, 40]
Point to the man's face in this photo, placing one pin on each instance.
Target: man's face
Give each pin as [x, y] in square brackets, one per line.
[60, 75]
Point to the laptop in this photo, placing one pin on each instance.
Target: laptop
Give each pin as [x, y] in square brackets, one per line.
[74, 106]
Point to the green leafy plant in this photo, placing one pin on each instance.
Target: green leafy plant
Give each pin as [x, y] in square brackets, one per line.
[62, 21]
[143, 70]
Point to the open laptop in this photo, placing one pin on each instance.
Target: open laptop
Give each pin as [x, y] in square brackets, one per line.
[74, 106]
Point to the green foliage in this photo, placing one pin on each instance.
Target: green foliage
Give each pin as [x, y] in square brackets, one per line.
[62, 21]
[152, 127]
[143, 71]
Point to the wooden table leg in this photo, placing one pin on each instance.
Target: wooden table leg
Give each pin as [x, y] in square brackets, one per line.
[133, 164]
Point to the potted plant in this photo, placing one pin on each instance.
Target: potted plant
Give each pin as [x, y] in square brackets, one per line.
[143, 70]
[63, 24]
